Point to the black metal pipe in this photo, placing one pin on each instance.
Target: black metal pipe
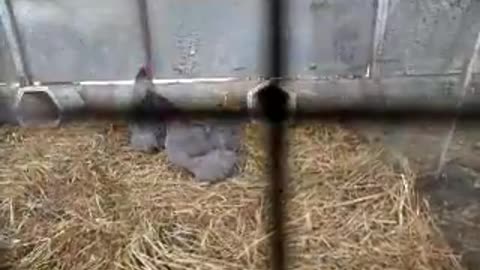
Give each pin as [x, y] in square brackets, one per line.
[272, 101]
[472, 114]
[277, 48]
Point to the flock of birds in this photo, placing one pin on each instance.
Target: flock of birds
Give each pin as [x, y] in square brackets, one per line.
[208, 149]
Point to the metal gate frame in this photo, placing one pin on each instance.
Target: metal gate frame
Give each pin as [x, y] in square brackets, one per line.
[272, 103]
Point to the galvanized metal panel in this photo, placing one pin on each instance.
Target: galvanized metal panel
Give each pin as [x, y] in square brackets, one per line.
[207, 38]
[328, 37]
[429, 36]
[70, 40]
[98, 40]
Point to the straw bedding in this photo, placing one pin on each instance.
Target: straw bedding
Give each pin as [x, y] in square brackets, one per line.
[78, 198]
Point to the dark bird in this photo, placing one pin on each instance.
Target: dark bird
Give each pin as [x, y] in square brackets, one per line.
[208, 149]
[147, 126]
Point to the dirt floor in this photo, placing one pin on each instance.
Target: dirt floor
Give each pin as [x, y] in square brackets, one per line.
[454, 197]
[78, 198]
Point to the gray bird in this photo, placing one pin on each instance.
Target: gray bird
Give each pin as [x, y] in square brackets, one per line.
[147, 134]
[208, 149]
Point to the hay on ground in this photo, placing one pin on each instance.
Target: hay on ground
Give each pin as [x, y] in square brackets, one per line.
[78, 198]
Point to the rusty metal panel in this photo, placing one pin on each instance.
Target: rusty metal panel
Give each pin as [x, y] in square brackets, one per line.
[329, 37]
[71, 40]
[207, 38]
[429, 36]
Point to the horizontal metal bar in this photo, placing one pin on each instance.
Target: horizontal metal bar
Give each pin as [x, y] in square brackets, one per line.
[155, 81]
[425, 95]
[431, 97]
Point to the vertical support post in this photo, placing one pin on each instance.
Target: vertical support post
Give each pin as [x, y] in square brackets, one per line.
[146, 35]
[277, 47]
[15, 44]
[273, 101]
[463, 88]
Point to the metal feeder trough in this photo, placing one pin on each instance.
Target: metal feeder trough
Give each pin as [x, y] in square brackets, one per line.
[37, 107]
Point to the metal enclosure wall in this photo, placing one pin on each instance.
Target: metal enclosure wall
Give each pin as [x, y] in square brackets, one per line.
[330, 37]
[7, 69]
[429, 36]
[209, 38]
[71, 40]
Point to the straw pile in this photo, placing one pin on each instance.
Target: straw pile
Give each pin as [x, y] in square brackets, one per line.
[78, 198]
